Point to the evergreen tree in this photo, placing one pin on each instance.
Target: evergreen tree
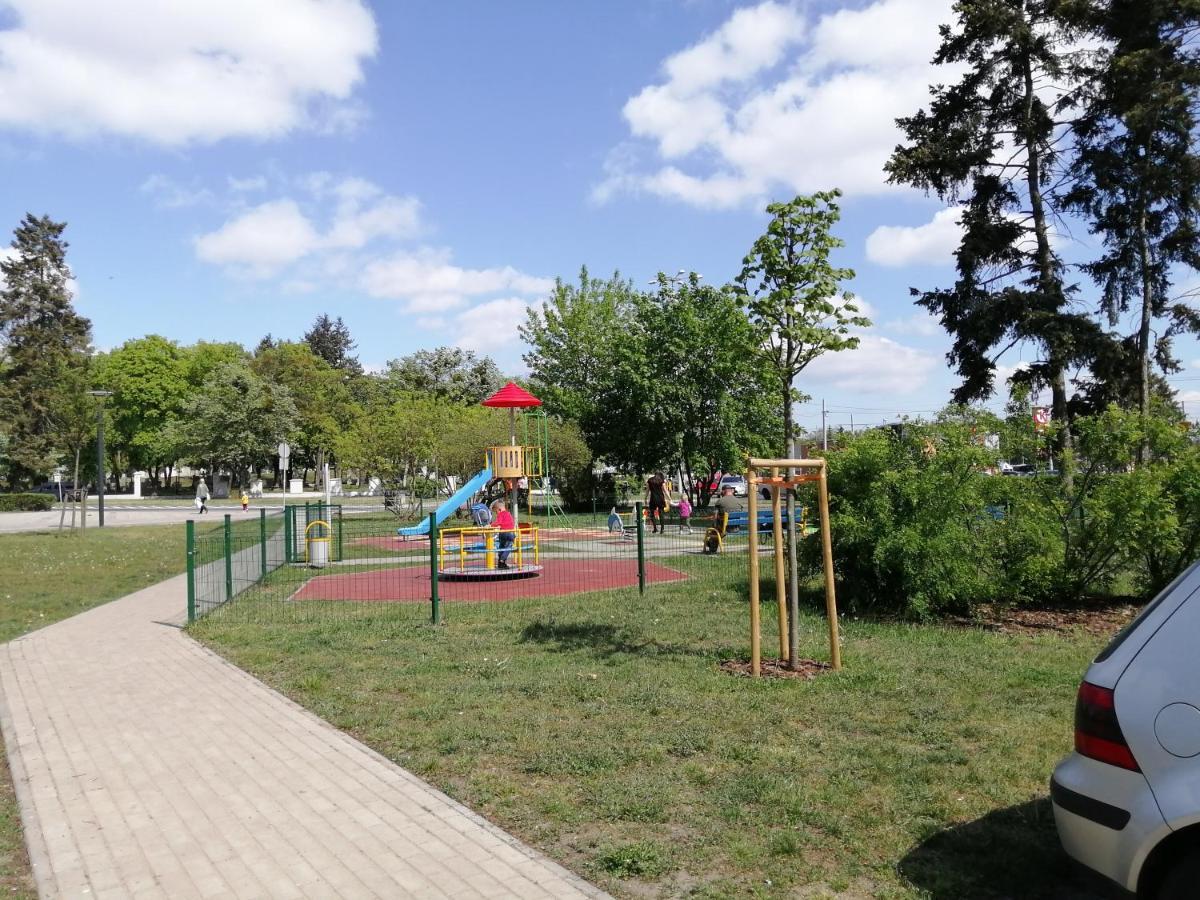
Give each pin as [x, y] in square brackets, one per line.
[42, 339]
[330, 339]
[991, 141]
[1137, 174]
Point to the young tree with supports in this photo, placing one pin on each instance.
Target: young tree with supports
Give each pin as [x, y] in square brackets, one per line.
[1136, 174]
[794, 293]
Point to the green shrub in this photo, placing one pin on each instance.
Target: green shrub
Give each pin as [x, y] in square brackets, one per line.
[920, 530]
[909, 513]
[25, 502]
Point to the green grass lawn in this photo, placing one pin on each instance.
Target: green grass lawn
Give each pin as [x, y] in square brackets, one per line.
[600, 729]
[47, 577]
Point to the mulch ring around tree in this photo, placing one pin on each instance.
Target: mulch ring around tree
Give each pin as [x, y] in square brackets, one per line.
[807, 670]
[1098, 618]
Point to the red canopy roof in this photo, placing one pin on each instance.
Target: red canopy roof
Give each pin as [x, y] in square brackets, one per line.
[512, 395]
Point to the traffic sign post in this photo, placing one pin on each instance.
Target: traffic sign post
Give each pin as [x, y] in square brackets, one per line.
[284, 453]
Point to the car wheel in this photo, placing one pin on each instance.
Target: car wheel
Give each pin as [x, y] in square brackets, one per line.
[1181, 879]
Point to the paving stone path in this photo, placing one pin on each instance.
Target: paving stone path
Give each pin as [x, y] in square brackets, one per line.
[147, 766]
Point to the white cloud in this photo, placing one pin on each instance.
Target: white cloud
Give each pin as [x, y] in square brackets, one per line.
[247, 185]
[767, 103]
[1192, 399]
[933, 243]
[878, 365]
[491, 325]
[347, 231]
[919, 323]
[182, 73]
[262, 240]
[1005, 372]
[429, 283]
[170, 194]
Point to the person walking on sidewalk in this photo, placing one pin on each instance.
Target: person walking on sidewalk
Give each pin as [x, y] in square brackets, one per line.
[202, 495]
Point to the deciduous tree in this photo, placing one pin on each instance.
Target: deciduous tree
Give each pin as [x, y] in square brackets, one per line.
[795, 294]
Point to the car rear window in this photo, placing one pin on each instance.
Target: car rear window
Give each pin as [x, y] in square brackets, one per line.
[1120, 636]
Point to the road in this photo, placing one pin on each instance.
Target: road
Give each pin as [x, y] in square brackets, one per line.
[120, 512]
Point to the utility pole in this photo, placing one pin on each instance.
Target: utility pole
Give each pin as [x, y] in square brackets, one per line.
[824, 428]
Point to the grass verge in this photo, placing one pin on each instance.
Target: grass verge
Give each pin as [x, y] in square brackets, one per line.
[45, 577]
[600, 729]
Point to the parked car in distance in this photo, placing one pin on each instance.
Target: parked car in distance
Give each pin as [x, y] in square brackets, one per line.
[1017, 469]
[57, 489]
[1127, 801]
[737, 482]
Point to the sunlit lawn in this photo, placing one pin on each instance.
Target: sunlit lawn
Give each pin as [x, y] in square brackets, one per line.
[601, 729]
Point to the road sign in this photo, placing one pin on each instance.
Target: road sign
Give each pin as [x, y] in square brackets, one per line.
[284, 450]
[1041, 417]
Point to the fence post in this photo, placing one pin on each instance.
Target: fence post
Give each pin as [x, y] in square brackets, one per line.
[641, 534]
[339, 533]
[190, 529]
[262, 541]
[433, 569]
[287, 533]
[228, 557]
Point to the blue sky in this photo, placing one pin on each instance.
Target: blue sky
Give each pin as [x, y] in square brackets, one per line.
[425, 170]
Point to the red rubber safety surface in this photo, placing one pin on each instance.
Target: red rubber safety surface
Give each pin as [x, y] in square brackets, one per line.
[559, 578]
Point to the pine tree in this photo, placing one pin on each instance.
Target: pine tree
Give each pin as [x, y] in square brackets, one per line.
[330, 339]
[1136, 175]
[991, 141]
[42, 340]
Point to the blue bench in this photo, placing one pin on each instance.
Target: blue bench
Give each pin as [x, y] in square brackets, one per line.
[741, 519]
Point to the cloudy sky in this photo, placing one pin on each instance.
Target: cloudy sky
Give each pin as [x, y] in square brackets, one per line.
[425, 171]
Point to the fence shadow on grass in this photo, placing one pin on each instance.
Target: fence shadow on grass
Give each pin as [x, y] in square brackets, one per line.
[1012, 852]
[603, 639]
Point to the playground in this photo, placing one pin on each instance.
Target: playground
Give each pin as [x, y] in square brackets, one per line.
[486, 544]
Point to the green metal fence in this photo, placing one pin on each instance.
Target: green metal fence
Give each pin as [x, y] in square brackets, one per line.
[316, 561]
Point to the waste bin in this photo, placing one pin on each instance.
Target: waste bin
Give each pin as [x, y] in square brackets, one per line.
[296, 486]
[316, 541]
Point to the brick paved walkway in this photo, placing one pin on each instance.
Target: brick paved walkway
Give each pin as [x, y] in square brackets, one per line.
[147, 766]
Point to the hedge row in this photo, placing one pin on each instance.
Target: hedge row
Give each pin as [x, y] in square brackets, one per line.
[25, 502]
[921, 528]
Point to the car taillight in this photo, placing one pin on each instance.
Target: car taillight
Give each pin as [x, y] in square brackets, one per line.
[1097, 732]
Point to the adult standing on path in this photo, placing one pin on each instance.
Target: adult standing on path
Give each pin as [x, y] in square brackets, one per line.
[202, 495]
[658, 498]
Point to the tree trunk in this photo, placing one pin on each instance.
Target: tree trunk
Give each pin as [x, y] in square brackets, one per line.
[787, 418]
[1048, 282]
[1144, 334]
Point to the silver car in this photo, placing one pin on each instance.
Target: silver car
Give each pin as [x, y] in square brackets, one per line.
[1127, 801]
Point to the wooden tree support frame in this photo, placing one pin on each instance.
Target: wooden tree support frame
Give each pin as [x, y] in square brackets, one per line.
[810, 470]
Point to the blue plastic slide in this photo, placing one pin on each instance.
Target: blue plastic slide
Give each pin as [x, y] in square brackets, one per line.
[446, 510]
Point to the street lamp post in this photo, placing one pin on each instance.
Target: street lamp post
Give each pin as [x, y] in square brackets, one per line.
[100, 395]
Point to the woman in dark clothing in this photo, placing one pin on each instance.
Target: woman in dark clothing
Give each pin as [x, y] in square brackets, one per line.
[658, 498]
